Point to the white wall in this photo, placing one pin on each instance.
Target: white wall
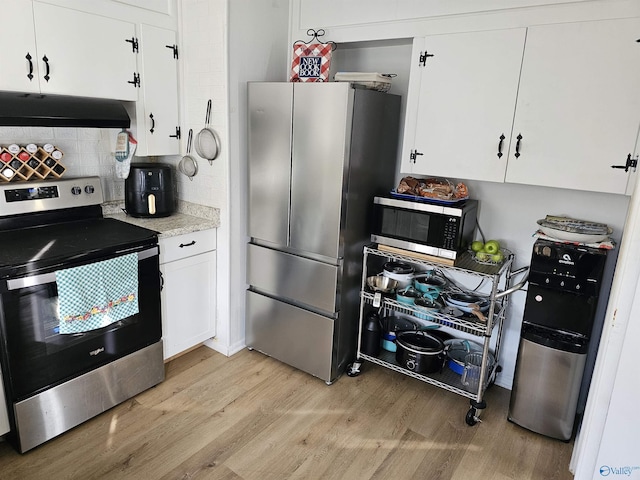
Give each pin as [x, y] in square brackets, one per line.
[257, 52]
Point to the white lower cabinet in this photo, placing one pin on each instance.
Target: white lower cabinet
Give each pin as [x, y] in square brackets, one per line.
[188, 266]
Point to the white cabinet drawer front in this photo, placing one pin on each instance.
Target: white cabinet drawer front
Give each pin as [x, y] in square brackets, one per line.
[187, 245]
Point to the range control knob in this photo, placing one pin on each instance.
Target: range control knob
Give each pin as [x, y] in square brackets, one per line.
[89, 189]
[76, 190]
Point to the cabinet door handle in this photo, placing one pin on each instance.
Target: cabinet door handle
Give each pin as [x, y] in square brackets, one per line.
[161, 281]
[153, 123]
[190, 244]
[46, 64]
[30, 74]
[500, 146]
[177, 135]
[519, 137]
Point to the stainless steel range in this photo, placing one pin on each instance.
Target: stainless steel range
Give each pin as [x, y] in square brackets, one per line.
[80, 326]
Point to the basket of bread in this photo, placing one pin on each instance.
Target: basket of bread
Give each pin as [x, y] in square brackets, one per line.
[431, 190]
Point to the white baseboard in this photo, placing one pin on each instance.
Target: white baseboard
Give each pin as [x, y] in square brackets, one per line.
[226, 350]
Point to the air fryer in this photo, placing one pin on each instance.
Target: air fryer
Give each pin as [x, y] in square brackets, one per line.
[150, 190]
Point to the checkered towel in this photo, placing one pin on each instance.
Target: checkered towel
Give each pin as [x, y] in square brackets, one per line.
[96, 295]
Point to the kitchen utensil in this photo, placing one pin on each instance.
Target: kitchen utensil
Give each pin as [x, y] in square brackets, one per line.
[371, 335]
[188, 165]
[466, 302]
[430, 286]
[149, 190]
[427, 307]
[457, 349]
[390, 326]
[470, 378]
[402, 272]
[574, 237]
[380, 283]
[207, 141]
[419, 352]
[407, 295]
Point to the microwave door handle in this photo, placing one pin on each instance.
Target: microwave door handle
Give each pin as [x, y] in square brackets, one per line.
[44, 278]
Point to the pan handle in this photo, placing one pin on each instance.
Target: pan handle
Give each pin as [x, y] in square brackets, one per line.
[207, 117]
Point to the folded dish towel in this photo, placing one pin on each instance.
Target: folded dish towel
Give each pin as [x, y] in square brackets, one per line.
[96, 295]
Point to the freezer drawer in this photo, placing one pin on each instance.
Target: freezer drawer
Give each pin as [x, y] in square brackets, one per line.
[290, 334]
[545, 390]
[297, 279]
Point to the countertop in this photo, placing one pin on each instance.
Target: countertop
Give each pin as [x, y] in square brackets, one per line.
[188, 218]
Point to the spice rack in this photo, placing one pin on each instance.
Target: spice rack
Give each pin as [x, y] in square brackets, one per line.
[19, 163]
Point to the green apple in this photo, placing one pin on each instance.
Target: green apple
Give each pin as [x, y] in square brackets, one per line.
[477, 246]
[492, 247]
[483, 256]
[497, 257]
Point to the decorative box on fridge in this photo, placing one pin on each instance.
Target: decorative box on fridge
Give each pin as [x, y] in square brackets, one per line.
[311, 61]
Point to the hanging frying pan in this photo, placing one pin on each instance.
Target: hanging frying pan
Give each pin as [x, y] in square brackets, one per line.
[207, 141]
[188, 165]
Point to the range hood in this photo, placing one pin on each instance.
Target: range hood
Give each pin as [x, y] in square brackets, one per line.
[35, 110]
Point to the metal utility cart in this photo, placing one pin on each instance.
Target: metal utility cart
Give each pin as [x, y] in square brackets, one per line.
[499, 278]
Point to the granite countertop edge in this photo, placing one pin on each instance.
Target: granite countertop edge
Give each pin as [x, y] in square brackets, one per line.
[188, 218]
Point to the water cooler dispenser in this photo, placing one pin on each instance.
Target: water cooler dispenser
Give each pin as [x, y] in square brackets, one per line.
[564, 283]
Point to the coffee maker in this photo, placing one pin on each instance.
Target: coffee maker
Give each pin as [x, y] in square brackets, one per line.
[150, 190]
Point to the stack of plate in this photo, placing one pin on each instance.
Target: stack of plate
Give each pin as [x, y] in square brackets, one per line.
[572, 230]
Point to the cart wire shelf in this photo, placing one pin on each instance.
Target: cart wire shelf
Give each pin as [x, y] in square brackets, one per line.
[446, 379]
[464, 263]
[468, 324]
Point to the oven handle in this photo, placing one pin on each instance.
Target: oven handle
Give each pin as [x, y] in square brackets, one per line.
[16, 283]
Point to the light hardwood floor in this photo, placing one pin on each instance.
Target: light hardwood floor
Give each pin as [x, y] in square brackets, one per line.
[251, 417]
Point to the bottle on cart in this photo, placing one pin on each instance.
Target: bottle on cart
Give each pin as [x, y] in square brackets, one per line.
[371, 335]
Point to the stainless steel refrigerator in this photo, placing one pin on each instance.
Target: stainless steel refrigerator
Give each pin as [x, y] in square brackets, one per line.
[318, 154]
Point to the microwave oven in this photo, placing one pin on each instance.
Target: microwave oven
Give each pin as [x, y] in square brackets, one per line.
[433, 229]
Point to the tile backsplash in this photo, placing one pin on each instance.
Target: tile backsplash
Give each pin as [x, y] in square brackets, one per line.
[87, 151]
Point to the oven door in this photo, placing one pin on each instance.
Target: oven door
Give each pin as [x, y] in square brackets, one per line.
[36, 356]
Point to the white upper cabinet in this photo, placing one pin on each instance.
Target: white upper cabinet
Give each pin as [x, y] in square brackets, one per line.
[462, 93]
[333, 13]
[578, 106]
[18, 56]
[157, 115]
[572, 115]
[83, 54]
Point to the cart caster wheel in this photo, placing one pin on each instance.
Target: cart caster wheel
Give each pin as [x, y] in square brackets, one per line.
[472, 417]
[353, 369]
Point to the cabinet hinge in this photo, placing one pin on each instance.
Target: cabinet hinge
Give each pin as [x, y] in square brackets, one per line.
[175, 50]
[134, 44]
[177, 135]
[136, 80]
[422, 61]
[413, 154]
[631, 163]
